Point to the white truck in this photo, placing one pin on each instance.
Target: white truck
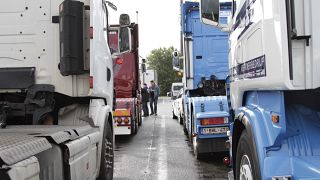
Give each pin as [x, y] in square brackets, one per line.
[56, 89]
[177, 107]
[274, 64]
[175, 89]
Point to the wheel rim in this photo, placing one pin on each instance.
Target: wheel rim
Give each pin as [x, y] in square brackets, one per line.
[108, 155]
[245, 168]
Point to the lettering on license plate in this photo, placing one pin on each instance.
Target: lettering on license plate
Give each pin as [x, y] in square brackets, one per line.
[216, 130]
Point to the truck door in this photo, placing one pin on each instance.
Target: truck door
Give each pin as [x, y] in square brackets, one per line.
[305, 47]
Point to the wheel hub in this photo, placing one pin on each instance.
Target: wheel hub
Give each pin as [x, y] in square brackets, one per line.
[108, 155]
[245, 168]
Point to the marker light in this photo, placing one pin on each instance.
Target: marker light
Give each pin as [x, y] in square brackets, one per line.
[91, 81]
[119, 61]
[275, 118]
[119, 120]
[226, 161]
[214, 121]
[126, 120]
[91, 32]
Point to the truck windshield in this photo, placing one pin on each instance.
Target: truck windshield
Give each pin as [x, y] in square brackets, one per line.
[177, 88]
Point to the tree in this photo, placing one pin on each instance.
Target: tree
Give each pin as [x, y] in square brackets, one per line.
[161, 61]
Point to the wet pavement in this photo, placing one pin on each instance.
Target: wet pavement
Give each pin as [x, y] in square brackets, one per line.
[161, 151]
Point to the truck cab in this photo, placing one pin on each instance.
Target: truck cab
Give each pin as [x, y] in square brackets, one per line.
[205, 106]
[127, 110]
[56, 90]
[175, 89]
[274, 89]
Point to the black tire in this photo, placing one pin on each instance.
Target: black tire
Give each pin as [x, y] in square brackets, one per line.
[139, 116]
[107, 154]
[246, 158]
[185, 130]
[184, 127]
[136, 128]
[191, 130]
[174, 116]
[181, 119]
[140, 120]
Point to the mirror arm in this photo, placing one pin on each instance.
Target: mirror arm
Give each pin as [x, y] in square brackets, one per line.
[226, 29]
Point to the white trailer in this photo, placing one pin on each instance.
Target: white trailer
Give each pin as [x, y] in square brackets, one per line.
[56, 90]
[148, 76]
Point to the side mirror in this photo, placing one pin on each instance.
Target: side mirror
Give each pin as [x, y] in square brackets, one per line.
[216, 13]
[169, 94]
[143, 68]
[175, 61]
[124, 36]
[124, 20]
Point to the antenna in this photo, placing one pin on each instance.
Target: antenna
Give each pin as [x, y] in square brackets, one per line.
[137, 12]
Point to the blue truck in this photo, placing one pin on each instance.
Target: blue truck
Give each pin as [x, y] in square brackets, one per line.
[205, 106]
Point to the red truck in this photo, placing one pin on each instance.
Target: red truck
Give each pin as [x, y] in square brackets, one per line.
[127, 112]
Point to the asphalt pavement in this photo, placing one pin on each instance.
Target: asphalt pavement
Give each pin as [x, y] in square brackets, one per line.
[161, 151]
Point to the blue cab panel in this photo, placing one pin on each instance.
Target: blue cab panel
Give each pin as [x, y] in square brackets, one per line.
[210, 46]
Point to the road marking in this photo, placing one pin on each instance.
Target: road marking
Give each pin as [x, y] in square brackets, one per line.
[163, 122]
[162, 161]
[151, 148]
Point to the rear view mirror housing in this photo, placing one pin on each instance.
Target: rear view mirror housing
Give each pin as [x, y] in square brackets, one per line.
[216, 13]
[175, 61]
[124, 20]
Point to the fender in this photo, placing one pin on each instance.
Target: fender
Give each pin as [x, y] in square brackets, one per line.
[244, 121]
[255, 117]
[101, 114]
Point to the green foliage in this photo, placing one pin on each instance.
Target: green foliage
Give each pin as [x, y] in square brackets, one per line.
[161, 61]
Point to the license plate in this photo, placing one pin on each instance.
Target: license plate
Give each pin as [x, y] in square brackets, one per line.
[215, 130]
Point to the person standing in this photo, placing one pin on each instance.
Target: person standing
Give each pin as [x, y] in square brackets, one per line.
[145, 100]
[154, 94]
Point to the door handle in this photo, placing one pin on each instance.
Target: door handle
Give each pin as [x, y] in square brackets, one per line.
[108, 74]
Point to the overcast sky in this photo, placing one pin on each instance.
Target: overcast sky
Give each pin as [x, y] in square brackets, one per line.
[158, 20]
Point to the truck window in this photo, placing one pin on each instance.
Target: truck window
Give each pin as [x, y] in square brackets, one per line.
[105, 20]
[176, 88]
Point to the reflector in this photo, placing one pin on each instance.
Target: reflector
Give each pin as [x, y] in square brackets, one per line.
[212, 121]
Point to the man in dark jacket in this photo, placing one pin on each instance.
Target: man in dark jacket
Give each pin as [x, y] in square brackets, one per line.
[154, 95]
[145, 100]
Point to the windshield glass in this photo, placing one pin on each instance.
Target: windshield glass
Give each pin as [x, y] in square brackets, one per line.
[176, 88]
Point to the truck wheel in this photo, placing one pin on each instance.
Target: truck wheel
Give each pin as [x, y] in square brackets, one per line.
[174, 116]
[247, 167]
[136, 127]
[107, 155]
[180, 119]
[184, 127]
[191, 129]
[139, 117]
[140, 121]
